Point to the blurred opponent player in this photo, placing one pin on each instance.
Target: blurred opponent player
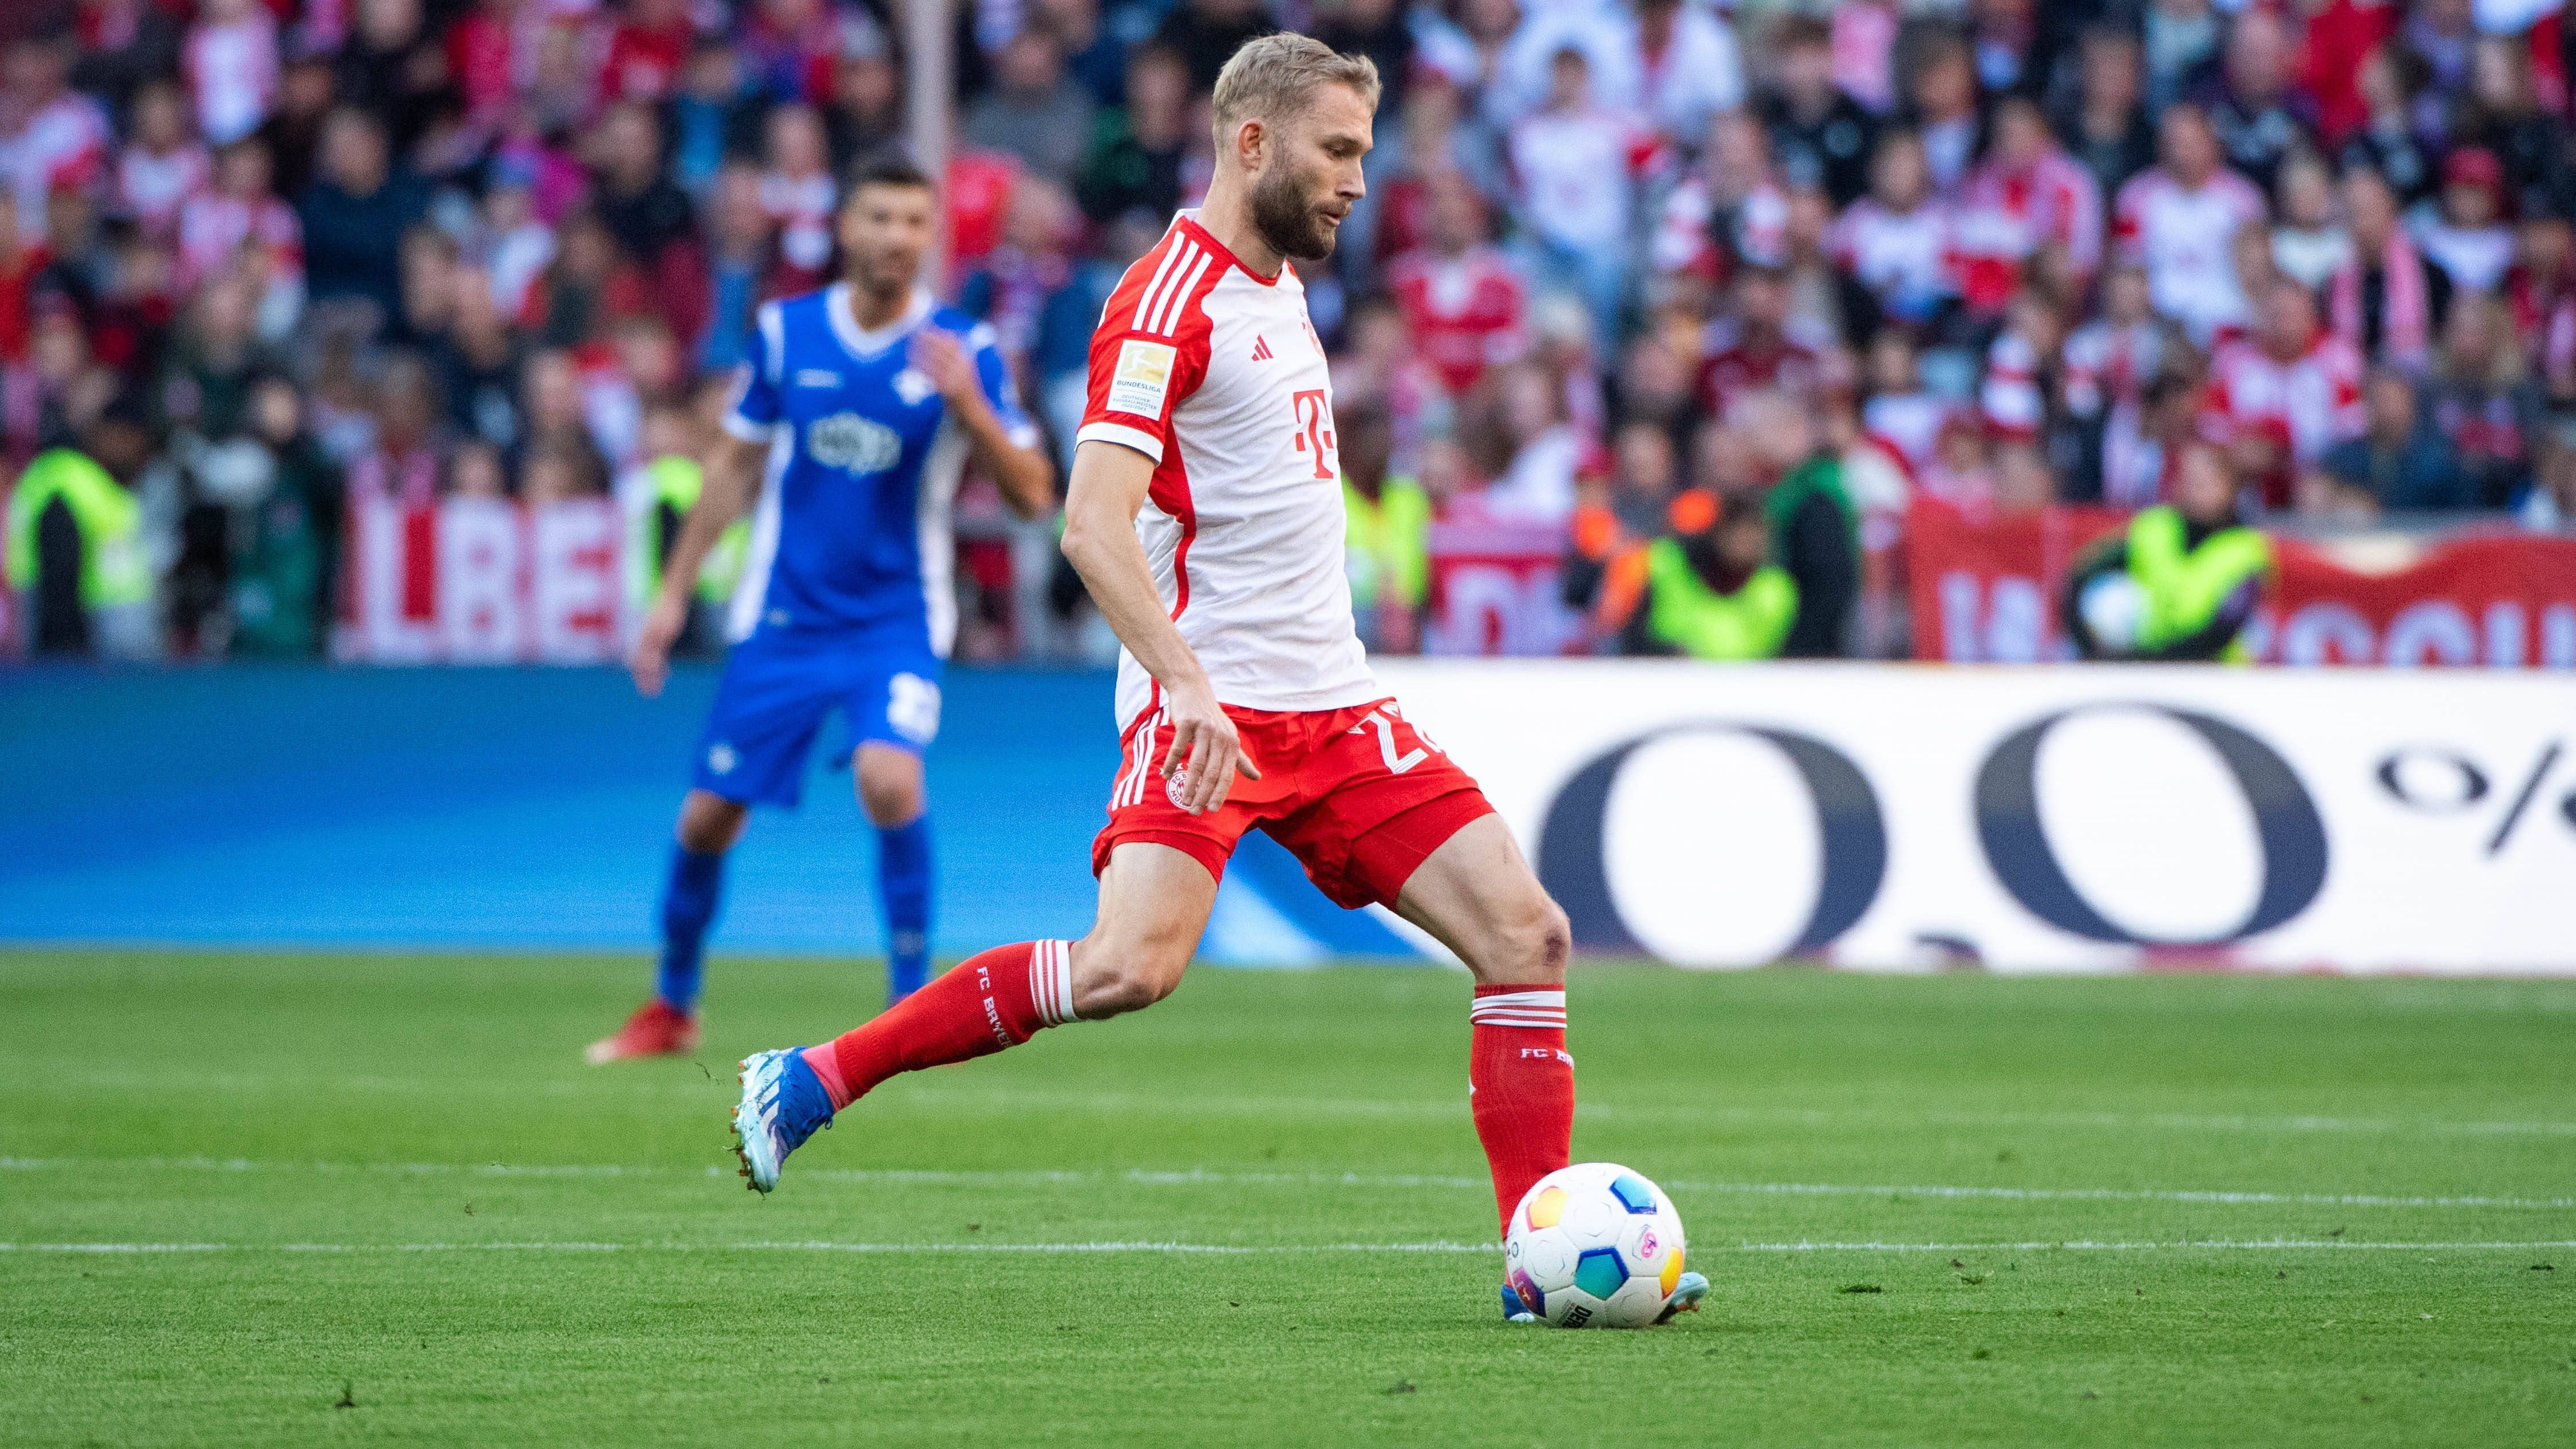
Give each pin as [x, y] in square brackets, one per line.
[1206, 517]
[862, 405]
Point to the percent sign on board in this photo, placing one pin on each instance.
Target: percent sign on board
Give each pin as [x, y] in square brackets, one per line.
[2445, 782]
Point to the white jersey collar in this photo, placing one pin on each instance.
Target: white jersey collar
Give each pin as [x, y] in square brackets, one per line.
[858, 341]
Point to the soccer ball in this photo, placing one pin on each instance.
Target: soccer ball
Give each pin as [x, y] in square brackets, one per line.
[2115, 609]
[1594, 1246]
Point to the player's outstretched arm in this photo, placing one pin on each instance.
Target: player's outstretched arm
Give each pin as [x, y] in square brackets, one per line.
[1109, 486]
[732, 476]
[1021, 471]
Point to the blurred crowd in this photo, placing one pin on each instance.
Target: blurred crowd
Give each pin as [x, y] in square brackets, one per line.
[1704, 298]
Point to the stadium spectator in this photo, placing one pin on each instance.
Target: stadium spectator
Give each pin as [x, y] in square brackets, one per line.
[2484, 399]
[2286, 394]
[1204, 32]
[1135, 158]
[2308, 244]
[2463, 233]
[351, 214]
[2400, 460]
[76, 549]
[642, 209]
[2029, 196]
[1387, 517]
[1752, 349]
[2180, 218]
[1034, 114]
[1944, 106]
[2107, 128]
[283, 531]
[57, 138]
[1730, 208]
[2390, 141]
[2181, 583]
[402, 468]
[232, 67]
[1896, 241]
[1814, 530]
[124, 46]
[1575, 163]
[1706, 588]
[163, 165]
[1823, 136]
[1461, 299]
[2257, 115]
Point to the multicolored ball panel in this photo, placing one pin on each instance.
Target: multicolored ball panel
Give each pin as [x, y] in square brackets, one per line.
[1600, 1273]
[1547, 1207]
[1633, 1193]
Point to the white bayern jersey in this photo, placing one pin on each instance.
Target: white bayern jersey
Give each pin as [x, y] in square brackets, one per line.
[1215, 373]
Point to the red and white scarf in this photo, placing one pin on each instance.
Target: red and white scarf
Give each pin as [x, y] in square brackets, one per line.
[2406, 310]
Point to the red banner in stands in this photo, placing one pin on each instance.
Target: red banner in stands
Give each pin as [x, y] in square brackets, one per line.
[1986, 591]
[483, 581]
[1497, 587]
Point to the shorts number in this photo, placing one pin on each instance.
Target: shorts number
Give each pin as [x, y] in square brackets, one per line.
[912, 707]
[1397, 764]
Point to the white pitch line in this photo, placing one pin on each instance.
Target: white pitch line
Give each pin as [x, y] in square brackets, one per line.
[626, 1088]
[2073, 1245]
[2179, 1245]
[2208, 1197]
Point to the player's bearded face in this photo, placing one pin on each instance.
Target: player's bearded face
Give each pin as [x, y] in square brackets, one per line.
[885, 231]
[1299, 201]
[1290, 212]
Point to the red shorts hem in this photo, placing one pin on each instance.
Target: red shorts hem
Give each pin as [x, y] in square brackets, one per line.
[1387, 854]
[1209, 853]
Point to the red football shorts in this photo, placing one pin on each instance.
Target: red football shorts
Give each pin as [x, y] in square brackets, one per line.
[1358, 795]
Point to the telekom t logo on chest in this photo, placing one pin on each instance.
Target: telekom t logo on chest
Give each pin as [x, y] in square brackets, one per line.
[1315, 428]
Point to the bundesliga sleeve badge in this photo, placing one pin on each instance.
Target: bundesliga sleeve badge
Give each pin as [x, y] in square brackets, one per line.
[1143, 376]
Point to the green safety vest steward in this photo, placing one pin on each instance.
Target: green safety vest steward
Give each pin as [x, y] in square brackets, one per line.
[2185, 586]
[675, 483]
[114, 570]
[1387, 542]
[1682, 610]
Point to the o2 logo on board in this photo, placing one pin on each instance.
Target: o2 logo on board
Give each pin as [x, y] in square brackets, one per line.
[1803, 888]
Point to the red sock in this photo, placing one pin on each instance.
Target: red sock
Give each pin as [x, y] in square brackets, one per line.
[1521, 1083]
[983, 1004]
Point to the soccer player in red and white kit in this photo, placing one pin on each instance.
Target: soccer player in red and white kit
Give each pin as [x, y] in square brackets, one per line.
[1205, 514]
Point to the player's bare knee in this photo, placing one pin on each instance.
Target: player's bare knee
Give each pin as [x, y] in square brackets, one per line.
[890, 802]
[1113, 975]
[1528, 948]
[709, 824]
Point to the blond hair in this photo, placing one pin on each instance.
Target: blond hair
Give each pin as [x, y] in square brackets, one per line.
[1272, 76]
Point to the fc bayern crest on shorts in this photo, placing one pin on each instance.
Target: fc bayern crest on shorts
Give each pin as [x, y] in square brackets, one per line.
[1177, 788]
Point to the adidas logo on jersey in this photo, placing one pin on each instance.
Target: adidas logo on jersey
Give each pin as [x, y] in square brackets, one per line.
[1261, 349]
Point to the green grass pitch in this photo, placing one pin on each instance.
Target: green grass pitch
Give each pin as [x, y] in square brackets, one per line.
[373, 1199]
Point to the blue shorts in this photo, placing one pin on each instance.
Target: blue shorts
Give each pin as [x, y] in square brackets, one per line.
[777, 688]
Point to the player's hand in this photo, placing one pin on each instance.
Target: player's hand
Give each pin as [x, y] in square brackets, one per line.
[946, 364]
[1205, 751]
[651, 661]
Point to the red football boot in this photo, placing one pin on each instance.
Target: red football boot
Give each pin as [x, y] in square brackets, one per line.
[657, 1029]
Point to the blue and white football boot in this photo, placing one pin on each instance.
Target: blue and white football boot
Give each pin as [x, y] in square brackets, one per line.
[783, 1103]
[1688, 1290]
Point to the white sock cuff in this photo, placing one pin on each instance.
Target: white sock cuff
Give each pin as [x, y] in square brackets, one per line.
[1519, 1008]
[1051, 981]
